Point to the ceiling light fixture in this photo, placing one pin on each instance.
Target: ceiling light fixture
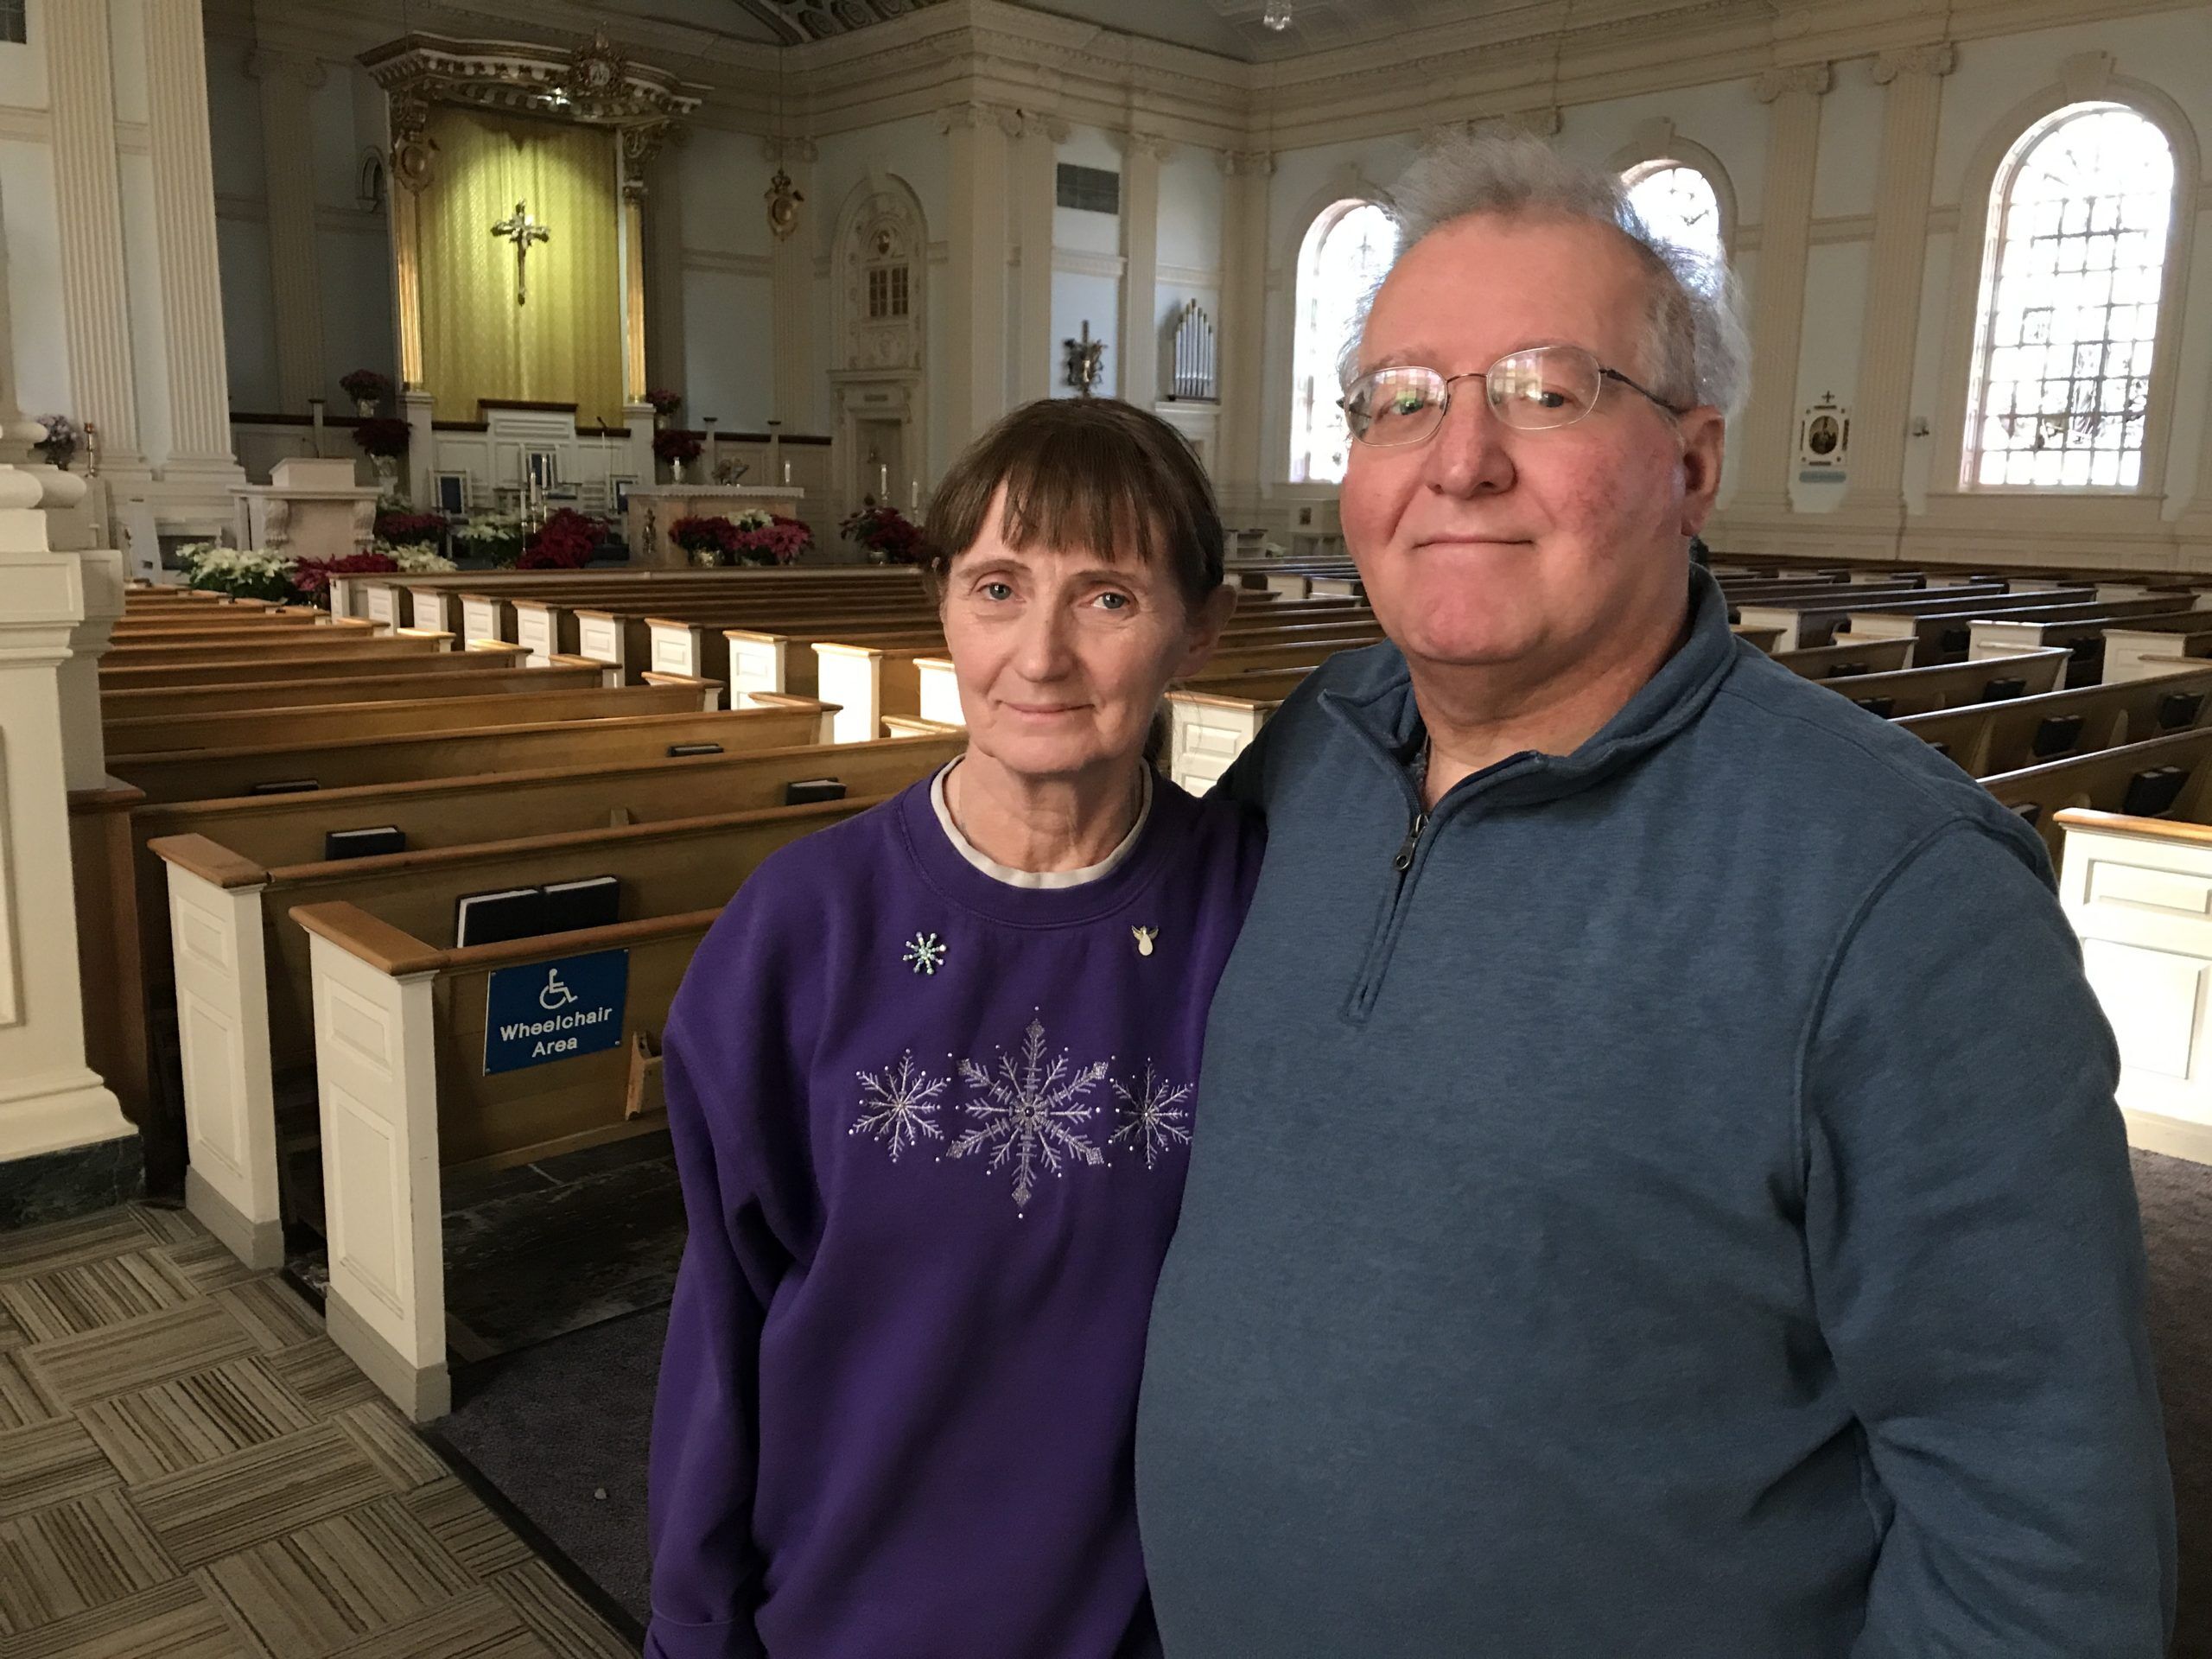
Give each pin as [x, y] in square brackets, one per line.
[1277, 15]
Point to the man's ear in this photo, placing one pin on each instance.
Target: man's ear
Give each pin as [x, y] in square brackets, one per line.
[1705, 445]
[1205, 630]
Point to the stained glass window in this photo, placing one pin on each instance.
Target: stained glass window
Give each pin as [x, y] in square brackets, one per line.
[2070, 284]
[1678, 205]
[1345, 253]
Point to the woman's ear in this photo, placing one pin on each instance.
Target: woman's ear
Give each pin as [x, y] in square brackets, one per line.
[1205, 630]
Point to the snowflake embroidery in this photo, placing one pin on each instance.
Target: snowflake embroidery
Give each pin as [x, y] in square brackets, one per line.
[1152, 1116]
[901, 1106]
[924, 953]
[1028, 1110]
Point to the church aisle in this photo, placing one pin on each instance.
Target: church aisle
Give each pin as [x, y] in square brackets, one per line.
[190, 1469]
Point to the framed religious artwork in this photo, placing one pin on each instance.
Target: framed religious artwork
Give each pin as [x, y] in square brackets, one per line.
[1824, 443]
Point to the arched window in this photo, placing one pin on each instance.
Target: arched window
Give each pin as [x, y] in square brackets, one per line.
[1344, 255]
[1679, 205]
[2070, 281]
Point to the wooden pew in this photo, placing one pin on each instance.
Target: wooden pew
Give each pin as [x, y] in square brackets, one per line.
[134, 666]
[2010, 736]
[382, 686]
[243, 976]
[403, 1091]
[1814, 622]
[388, 600]
[441, 603]
[160, 733]
[1843, 661]
[2162, 777]
[1211, 721]
[2132, 645]
[2081, 633]
[338, 762]
[1948, 685]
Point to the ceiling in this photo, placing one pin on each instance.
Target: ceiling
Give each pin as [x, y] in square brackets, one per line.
[1230, 29]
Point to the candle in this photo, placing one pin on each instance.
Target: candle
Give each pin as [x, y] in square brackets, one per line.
[914, 495]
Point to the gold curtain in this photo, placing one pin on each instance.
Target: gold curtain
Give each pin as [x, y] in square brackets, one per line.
[563, 344]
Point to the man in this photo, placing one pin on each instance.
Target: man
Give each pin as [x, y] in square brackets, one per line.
[1658, 1189]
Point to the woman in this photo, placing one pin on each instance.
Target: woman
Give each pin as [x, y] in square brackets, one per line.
[930, 1079]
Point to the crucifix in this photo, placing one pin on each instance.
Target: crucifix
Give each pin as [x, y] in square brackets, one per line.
[522, 230]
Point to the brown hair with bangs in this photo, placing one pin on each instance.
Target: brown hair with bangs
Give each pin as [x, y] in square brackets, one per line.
[1093, 473]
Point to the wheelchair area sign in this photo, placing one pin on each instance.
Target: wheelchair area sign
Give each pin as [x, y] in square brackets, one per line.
[552, 1011]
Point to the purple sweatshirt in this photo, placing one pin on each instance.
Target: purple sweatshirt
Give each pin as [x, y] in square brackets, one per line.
[932, 1129]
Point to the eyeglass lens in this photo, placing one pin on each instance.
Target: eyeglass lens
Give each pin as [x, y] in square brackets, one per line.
[1544, 386]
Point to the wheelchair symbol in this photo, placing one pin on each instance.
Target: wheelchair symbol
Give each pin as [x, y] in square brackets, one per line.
[555, 995]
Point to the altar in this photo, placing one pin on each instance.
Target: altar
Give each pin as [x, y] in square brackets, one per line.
[653, 510]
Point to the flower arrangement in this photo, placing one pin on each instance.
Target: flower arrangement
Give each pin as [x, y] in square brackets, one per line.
[411, 529]
[665, 402]
[366, 385]
[565, 542]
[311, 577]
[61, 440]
[771, 538]
[382, 436]
[495, 536]
[710, 540]
[242, 575]
[888, 535]
[678, 444]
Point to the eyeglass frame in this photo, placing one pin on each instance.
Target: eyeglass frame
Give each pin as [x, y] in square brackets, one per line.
[1448, 380]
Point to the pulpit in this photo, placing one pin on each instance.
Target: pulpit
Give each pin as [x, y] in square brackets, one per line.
[310, 508]
[653, 510]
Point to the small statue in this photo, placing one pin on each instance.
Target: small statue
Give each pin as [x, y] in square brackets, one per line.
[1086, 361]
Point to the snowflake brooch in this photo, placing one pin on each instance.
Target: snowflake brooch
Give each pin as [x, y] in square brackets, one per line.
[1152, 1116]
[924, 953]
[899, 1106]
[1027, 1112]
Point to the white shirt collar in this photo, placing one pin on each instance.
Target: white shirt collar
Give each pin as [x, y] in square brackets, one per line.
[1047, 879]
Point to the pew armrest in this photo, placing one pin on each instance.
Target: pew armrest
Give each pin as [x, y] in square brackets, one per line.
[825, 714]
[709, 691]
[442, 634]
[520, 653]
[387, 949]
[210, 861]
[2122, 823]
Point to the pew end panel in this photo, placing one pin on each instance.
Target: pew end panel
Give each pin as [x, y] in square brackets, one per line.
[709, 692]
[2138, 893]
[938, 690]
[377, 1093]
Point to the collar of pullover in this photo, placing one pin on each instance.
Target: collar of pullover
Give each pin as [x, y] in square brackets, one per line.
[1134, 868]
[1383, 712]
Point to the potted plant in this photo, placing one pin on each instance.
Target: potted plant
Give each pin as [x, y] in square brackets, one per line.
[675, 446]
[411, 529]
[888, 535]
[768, 538]
[564, 542]
[366, 388]
[217, 568]
[665, 403]
[494, 538]
[708, 540]
[311, 577]
[61, 440]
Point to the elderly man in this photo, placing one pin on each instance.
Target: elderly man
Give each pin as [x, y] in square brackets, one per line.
[1658, 1189]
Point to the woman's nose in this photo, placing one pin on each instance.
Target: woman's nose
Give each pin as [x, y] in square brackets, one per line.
[1045, 651]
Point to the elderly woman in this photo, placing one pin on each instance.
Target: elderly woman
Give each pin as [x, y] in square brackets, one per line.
[930, 1079]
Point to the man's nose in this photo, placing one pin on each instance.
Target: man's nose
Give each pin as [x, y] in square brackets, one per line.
[1469, 453]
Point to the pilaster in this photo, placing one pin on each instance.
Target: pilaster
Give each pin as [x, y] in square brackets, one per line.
[1891, 332]
[975, 268]
[1242, 335]
[1036, 198]
[664, 340]
[288, 146]
[1764, 441]
[1142, 155]
[88, 198]
[790, 280]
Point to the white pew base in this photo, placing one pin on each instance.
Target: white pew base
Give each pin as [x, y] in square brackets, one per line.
[2173, 1137]
[259, 1244]
[424, 1392]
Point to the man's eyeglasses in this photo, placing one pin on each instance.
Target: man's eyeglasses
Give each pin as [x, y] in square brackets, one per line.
[1535, 391]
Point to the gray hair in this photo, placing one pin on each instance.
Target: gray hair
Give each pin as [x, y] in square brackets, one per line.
[1695, 349]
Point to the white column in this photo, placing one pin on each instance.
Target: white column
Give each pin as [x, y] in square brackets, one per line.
[200, 455]
[50, 1100]
[88, 195]
[790, 277]
[1891, 331]
[288, 149]
[1764, 439]
[1036, 200]
[1244, 328]
[975, 291]
[1142, 155]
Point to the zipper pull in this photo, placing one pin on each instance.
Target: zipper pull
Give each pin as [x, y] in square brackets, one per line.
[1404, 860]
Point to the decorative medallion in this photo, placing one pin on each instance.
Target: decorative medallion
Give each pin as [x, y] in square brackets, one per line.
[783, 205]
[924, 953]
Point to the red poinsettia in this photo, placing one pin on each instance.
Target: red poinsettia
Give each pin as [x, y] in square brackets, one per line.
[664, 401]
[678, 444]
[411, 529]
[312, 576]
[886, 531]
[382, 436]
[565, 542]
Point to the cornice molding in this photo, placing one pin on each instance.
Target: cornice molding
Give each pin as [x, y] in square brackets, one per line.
[1080, 264]
[1818, 79]
[1935, 60]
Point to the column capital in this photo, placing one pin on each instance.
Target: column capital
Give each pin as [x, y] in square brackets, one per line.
[1248, 163]
[265, 63]
[1818, 79]
[1135, 143]
[1933, 61]
[1052, 128]
[974, 116]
